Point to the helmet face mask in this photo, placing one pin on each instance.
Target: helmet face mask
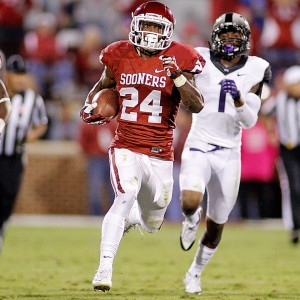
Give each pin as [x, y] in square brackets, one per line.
[159, 16]
[238, 43]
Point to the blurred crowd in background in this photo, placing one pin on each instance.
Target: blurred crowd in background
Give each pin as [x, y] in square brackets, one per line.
[60, 41]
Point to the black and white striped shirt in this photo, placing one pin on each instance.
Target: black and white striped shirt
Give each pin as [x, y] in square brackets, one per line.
[28, 110]
[287, 112]
[288, 119]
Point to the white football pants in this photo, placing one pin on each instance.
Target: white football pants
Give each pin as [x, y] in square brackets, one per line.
[219, 173]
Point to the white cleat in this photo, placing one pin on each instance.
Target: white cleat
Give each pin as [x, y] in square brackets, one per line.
[102, 280]
[188, 233]
[192, 284]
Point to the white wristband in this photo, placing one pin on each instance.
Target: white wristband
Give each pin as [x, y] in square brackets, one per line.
[4, 99]
[180, 81]
[2, 125]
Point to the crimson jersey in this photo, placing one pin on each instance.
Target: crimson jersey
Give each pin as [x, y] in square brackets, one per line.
[149, 101]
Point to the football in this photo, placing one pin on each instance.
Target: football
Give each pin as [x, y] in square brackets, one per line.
[107, 103]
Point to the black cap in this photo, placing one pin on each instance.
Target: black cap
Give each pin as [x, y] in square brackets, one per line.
[16, 64]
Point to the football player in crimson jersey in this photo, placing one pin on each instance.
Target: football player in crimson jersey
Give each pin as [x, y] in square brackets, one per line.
[231, 83]
[152, 75]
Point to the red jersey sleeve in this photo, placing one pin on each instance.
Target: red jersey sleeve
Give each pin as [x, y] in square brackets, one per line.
[113, 54]
[187, 58]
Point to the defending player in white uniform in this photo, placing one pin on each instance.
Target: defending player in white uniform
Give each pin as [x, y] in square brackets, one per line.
[231, 83]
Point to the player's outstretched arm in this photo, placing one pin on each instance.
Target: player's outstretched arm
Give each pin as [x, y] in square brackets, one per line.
[184, 82]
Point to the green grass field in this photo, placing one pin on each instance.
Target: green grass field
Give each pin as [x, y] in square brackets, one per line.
[59, 263]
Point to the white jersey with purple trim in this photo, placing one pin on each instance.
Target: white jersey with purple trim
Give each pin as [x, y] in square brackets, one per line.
[217, 123]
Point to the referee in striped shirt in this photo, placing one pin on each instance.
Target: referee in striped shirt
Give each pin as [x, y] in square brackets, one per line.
[27, 122]
[287, 110]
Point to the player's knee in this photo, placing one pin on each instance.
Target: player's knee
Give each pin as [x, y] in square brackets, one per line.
[122, 204]
[190, 201]
[130, 186]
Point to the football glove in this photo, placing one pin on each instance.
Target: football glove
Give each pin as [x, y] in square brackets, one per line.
[170, 66]
[86, 114]
[229, 86]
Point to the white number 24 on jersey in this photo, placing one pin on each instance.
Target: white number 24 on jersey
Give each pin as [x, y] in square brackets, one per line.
[151, 105]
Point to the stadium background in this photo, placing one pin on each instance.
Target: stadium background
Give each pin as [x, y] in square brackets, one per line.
[55, 181]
